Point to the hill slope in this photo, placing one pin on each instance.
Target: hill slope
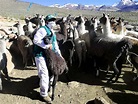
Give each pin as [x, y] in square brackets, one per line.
[16, 8]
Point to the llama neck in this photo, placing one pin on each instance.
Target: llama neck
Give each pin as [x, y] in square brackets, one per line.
[20, 30]
[121, 29]
[2, 46]
[107, 29]
[95, 24]
[71, 30]
[42, 22]
[108, 32]
[76, 35]
[30, 27]
[81, 29]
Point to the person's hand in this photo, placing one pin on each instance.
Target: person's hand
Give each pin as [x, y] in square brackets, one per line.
[50, 46]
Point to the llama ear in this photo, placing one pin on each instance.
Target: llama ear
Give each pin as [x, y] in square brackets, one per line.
[119, 18]
[122, 20]
[103, 14]
[85, 19]
[92, 18]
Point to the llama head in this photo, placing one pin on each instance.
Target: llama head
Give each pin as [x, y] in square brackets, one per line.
[93, 19]
[89, 25]
[113, 23]
[80, 19]
[103, 20]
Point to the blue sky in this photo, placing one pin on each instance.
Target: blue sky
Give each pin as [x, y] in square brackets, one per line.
[84, 2]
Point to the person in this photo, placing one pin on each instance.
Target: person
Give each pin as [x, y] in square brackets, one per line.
[40, 58]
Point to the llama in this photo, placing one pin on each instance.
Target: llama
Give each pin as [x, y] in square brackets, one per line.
[29, 25]
[129, 36]
[56, 66]
[20, 30]
[82, 31]
[95, 22]
[107, 30]
[80, 48]
[66, 44]
[3, 60]
[113, 51]
[30, 30]
[133, 57]
[80, 26]
[38, 20]
[67, 50]
[25, 46]
[120, 29]
[63, 33]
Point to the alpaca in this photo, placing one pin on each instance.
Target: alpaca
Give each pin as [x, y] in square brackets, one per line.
[56, 66]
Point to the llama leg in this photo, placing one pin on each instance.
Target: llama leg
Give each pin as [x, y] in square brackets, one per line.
[117, 70]
[130, 61]
[5, 71]
[113, 75]
[117, 76]
[135, 78]
[24, 55]
[97, 69]
[0, 82]
[70, 58]
[80, 59]
[54, 85]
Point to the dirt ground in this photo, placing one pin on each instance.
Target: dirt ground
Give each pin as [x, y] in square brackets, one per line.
[82, 88]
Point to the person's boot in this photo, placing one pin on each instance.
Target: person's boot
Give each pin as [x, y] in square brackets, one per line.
[47, 99]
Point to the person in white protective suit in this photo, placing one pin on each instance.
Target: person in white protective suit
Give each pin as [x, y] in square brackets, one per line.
[39, 47]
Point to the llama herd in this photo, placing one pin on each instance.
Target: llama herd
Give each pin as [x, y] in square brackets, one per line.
[105, 41]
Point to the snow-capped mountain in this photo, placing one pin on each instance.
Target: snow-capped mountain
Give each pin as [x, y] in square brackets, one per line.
[123, 5]
[127, 5]
[75, 6]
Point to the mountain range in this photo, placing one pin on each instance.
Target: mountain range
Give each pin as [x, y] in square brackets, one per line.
[123, 6]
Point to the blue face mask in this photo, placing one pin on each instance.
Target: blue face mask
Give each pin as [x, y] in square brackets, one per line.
[51, 24]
